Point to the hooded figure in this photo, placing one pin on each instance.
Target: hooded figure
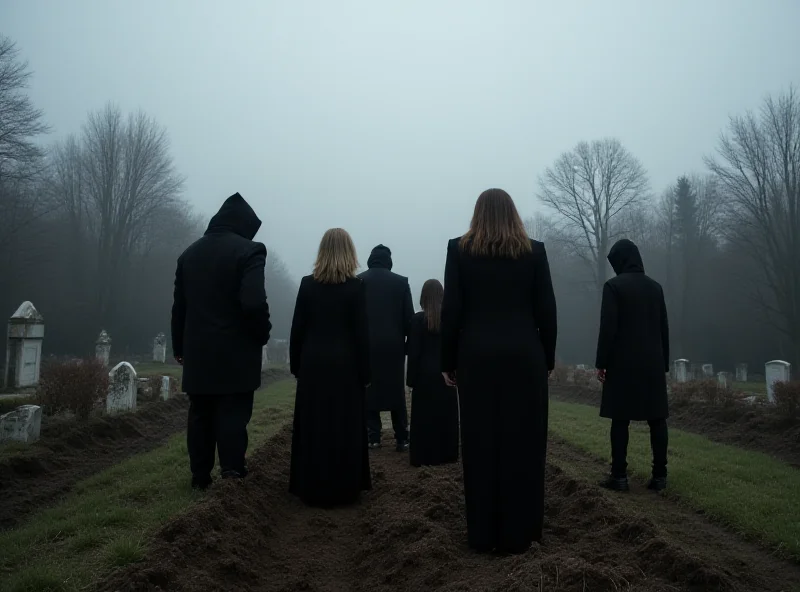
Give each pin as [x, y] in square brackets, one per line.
[389, 310]
[220, 323]
[633, 359]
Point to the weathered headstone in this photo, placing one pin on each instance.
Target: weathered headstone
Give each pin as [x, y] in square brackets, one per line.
[121, 389]
[160, 348]
[24, 424]
[102, 348]
[24, 347]
[165, 384]
[264, 357]
[776, 371]
[278, 351]
[741, 372]
[695, 371]
[681, 370]
[581, 367]
[708, 370]
[724, 379]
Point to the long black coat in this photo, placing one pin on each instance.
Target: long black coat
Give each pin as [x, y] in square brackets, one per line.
[499, 335]
[389, 308]
[220, 316]
[434, 405]
[633, 344]
[329, 355]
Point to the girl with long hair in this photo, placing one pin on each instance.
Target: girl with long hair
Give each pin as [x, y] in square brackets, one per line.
[434, 405]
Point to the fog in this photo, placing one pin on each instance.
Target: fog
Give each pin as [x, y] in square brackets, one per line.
[390, 121]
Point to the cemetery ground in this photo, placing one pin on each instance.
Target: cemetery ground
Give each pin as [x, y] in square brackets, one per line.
[729, 522]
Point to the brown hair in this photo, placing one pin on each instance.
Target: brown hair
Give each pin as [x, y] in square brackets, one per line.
[496, 228]
[431, 302]
[336, 259]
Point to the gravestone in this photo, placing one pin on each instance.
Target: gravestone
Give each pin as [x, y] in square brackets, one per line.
[581, 367]
[776, 371]
[708, 370]
[165, 384]
[102, 348]
[570, 374]
[724, 379]
[695, 371]
[264, 357]
[160, 349]
[121, 389]
[278, 351]
[24, 424]
[24, 347]
[741, 372]
[681, 370]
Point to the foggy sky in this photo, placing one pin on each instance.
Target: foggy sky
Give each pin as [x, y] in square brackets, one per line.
[389, 118]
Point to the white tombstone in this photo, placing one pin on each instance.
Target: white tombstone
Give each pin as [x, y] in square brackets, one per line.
[24, 424]
[121, 389]
[24, 347]
[264, 357]
[102, 348]
[160, 348]
[776, 371]
[165, 387]
[581, 367]
[681, 370]
[741, 372]
[724, 379]
[708, 370]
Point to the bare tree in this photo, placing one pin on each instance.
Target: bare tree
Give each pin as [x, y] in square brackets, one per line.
[589, 188]
[759, 171]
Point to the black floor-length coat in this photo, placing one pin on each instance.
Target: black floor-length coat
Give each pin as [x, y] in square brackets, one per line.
[329, 355]
[434, 405]
[220, 316]
[633, 344]
[389, 309]
[499, 335]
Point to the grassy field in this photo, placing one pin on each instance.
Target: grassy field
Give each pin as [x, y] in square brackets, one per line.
[155, 369]
[105, 521]
[756, 388]
[749, 491]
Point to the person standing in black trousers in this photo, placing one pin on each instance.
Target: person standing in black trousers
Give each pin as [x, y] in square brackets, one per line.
[220, 322]
[498, 345]
[633, 361]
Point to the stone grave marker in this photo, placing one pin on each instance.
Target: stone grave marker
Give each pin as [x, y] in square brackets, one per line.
[776, 371]
[160, 348]
[724, 379]
[102, 348]
[681, 370]
[708, 370]
[24, 347]
[741, 372]
[165, 384]
[264, 357]
[23, 424]
[121, 389]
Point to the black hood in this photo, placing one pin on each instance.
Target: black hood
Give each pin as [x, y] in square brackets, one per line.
[235, 216]
[624, 257]
[381, 257]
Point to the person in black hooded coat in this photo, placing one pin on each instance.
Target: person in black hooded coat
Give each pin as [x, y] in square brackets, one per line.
[389, 308]
[632, 361]
[220, 322]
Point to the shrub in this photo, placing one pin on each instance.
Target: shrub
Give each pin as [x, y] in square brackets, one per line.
[73, 386]
[707, 390]
[559, 374]
[787, 398]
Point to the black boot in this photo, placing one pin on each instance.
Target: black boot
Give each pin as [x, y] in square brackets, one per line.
[657, 483]
[201, 483]
[616, 483]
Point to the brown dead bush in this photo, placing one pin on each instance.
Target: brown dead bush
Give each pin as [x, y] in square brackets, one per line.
[707, 390]
[787, 398]
[73, 386]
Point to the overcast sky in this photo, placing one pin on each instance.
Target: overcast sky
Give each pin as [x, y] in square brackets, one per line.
[389, 118]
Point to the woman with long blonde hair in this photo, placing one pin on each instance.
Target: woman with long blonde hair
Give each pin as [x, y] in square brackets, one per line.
[329, 356]
[498, 346]
[434, 405]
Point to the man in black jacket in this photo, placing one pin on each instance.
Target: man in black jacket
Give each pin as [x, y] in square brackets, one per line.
[389, 310]
[632, 362]
[220, 322]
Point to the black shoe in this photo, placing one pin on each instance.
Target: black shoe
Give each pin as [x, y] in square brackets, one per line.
[402, 446]
[374, 445]
[233, 474]
[657, 484]
[615, 483]
[201, 483]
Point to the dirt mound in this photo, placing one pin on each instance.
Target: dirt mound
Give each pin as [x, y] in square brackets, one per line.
[408, 533]
[754, 428]
[70, 451]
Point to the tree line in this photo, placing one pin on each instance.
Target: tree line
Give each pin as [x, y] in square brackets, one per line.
[723, 241]
[91, 225]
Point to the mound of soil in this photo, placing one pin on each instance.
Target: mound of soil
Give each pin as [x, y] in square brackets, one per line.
[755, 428]
[70, 451]
[408, 533]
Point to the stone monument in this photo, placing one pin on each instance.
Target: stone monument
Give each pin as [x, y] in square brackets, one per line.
[24, 347]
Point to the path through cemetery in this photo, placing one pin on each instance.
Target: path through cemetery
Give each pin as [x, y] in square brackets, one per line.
[408, 534]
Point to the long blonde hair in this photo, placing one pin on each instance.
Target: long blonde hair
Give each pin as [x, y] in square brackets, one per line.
[496, 228]
[337, 260]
